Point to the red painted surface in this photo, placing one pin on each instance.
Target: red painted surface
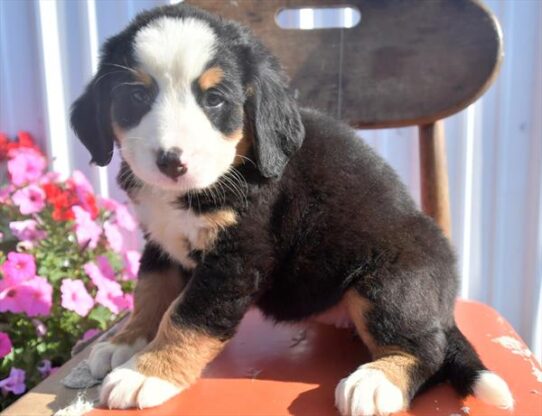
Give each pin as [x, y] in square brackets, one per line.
[282, 370]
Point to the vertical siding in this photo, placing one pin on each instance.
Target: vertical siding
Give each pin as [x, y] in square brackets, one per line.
[48, 51]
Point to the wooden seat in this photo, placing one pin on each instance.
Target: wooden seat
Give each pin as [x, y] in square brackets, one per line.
[405, 64]
[268, 370]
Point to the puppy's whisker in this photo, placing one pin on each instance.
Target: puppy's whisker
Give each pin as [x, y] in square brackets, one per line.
[247, 159]
[132, 70]
[101, 77]
[123, 84]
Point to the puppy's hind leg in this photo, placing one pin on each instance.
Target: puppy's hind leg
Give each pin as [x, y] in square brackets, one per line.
[400, 365]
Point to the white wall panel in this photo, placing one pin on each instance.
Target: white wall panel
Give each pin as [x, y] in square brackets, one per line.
[48, 51]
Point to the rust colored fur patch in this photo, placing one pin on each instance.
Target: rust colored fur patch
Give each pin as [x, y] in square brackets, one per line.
[211, 78]
[397, 365]
[244, 144]
[143, 77]
[154, 293]
[117, 131]
[178, 354]
[358, 307]
[217, 220]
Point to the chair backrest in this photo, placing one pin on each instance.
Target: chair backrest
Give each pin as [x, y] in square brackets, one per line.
[405, 63]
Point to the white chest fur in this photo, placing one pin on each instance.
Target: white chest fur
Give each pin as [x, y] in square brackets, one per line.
[176, 230]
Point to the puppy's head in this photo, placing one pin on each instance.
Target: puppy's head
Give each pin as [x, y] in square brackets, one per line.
[186, 95]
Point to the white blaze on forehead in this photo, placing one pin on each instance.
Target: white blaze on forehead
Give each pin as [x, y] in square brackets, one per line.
[175, 48]
[175, 52]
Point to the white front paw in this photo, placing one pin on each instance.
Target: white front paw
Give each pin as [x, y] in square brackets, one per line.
[368, 392]
[106, 355]
[126, 387]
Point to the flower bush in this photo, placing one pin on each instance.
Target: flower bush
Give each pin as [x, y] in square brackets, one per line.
[65, 269]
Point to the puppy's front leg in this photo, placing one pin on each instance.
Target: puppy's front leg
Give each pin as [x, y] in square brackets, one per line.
[192, 332]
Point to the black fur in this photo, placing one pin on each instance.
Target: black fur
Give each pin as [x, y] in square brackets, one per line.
[321, 214]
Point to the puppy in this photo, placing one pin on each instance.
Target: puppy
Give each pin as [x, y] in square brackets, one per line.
[248, 200]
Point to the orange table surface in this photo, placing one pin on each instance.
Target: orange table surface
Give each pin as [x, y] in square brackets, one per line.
[281, 370]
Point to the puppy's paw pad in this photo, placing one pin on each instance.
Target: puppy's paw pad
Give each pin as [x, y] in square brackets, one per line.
[125, 388]
[106, 355]
[368, 392]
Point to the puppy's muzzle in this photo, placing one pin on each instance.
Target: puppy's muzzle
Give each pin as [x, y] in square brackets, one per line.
[170, 164]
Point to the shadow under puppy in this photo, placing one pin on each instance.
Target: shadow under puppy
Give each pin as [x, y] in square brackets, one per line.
[246, 199]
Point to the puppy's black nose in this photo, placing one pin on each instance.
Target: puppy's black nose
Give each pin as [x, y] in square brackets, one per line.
[169, 163]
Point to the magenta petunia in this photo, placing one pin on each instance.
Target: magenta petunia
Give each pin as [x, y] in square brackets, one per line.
[131, 260]
[30, 199]
[110, 295]
[14, 383]
[89, 334]
[75, 297]
[5, 344]
[25, 166]
[96, 274]
[86, 230]
[124, 218]
[33, 297]
[82, 185]
[17, 268]
[122, 215]
[105, 267]
[114, 236]
[27, 230]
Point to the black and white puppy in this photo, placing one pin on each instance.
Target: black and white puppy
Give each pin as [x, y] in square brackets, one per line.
[247, 199]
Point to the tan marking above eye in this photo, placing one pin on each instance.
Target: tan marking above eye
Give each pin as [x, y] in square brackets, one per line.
[211, 78]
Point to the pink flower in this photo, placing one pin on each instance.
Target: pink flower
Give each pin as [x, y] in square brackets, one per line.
[131, 264]
[89, 334]
[81, 183]
[114, 236]
[75, 297]
[111, 296]
[105, 267]
[33, 297]
[5, 344]
[30, 199]
[25, 166]
[14, 383]
[5, 194]
[123, 217]
[126, 302]
[27, 230]
[18, 268]
[97, 274]
[87, 231]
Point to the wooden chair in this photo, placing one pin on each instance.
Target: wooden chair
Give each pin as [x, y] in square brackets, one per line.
[407, 63]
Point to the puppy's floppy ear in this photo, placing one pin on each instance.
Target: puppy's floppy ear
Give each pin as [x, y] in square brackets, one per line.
[91, 120]
[274, 119]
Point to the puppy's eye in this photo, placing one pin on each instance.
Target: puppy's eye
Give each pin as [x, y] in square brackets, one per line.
[140, 96]
[213, 99]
